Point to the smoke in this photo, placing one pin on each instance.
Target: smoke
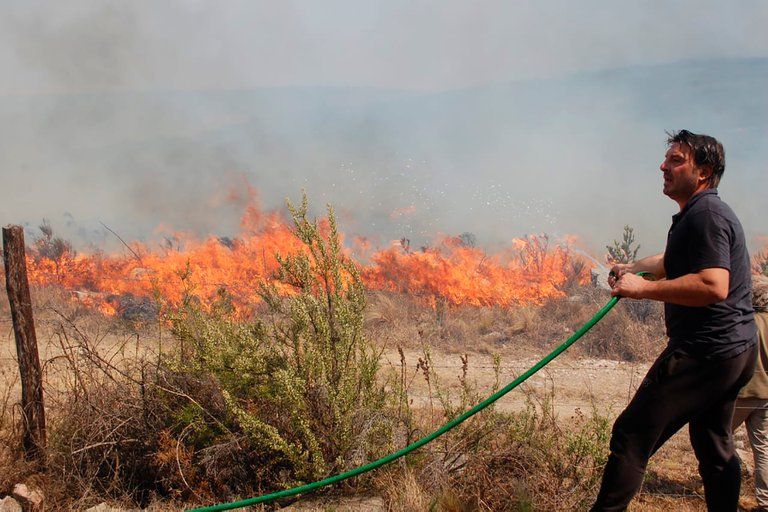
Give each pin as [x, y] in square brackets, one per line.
[94, 45]
[412, 119]
[79, 49]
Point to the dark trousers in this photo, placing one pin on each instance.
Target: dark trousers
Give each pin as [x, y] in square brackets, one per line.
[679, 389]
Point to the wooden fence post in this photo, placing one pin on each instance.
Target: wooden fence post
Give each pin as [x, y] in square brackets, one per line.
[17, 285]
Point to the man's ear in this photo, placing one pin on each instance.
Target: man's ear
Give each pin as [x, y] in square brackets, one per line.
[705, 173]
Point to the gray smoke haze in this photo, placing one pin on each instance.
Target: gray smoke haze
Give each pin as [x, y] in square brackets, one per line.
[411, 118]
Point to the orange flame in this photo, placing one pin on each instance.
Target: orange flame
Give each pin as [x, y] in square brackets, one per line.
[197, 268]
[527, 271]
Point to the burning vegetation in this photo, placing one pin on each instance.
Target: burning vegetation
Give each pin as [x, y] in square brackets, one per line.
[453, 271]
[266, 368]
[224, 407]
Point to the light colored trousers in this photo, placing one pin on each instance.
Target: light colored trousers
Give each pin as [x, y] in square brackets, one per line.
[754, 413]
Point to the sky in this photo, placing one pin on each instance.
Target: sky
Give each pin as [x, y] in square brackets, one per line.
[114, 112]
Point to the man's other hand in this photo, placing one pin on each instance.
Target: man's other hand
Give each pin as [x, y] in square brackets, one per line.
[616, 272]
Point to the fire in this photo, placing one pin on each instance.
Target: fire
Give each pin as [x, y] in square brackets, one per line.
[202, 269]
[529, 270]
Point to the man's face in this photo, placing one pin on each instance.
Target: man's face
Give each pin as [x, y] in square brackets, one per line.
[682, 177]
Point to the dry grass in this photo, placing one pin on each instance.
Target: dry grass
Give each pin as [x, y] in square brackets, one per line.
[633, 331]
[525, 460]
[12, 466]
[109, 438]
[402, 489]
[88, 362]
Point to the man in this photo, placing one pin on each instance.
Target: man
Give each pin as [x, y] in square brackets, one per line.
[752, 404]
[711, 330]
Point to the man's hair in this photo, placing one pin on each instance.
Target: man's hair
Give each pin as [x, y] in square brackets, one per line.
[760, 292]
[707, 151]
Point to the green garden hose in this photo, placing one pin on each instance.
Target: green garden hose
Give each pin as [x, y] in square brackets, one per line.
[426, 439]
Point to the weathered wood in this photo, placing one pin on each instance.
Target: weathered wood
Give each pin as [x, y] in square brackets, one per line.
[17, 285]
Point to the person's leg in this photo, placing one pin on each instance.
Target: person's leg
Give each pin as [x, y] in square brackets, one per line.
[676, 390]
[711, 434]
[741, 412]
[653, 416]
[757, 429]
[719, 466]
[637, 434]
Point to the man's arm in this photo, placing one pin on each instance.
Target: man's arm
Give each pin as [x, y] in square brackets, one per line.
[708, 286]
[651, 264]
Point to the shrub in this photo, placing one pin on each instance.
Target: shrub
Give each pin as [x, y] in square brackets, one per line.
[537, 463]
[331, 367]
[49, 246]
[632, 331]
[299, 385]
[624, 251]
[237, 408]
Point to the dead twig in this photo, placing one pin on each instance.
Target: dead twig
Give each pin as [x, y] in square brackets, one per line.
[178, 461]
[136, 255]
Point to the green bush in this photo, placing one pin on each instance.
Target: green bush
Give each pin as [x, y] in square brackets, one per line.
[298, 386]
[624, 251]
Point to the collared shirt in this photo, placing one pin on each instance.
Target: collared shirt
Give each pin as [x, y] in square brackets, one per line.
[707, 234]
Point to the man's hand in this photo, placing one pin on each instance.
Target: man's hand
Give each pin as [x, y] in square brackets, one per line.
[630, 286]
[616, 272]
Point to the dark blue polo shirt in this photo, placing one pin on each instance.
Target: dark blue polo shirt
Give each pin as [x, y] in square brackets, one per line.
[707, 234]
